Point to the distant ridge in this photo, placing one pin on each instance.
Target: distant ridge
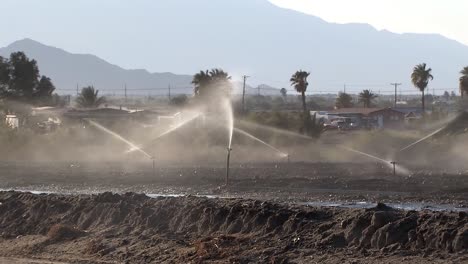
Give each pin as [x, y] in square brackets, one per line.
[68, 70]
[252, 37]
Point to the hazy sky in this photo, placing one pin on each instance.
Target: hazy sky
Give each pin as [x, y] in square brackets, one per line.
[446, 17]
[120, 31]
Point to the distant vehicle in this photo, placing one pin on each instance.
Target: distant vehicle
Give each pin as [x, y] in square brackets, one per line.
[337, 124]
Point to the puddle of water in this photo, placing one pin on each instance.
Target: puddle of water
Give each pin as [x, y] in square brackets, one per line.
[151, 195]
[156, 195]
[401, 206]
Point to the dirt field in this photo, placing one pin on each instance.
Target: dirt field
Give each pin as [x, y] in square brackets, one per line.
[267, 215]
[133, 228]
[294, 182]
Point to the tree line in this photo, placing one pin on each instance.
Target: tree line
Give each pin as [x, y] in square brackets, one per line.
[20, 80]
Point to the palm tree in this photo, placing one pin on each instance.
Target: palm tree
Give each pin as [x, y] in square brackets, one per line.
[420, 79]
[284, 93]
[88, 98]
[343, 100]
[464, 81]
[218, 75]
[201, 81]
[211, 82]
[299, 81]
[366, 97]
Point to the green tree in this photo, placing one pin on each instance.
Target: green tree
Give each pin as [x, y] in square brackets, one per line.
[19, 80]
[464, 81]
[299, 81]
[24, 76]
[88, 98]
[284, 92]
[343, 100]
[45, 88]
[366, 97]
[4, 76]
[420, 79]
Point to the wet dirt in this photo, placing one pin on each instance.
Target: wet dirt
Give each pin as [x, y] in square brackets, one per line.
[282, 182]
[271, 213]
[134, 228]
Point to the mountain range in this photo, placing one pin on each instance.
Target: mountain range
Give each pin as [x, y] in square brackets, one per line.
[68, 71]
[256, 38]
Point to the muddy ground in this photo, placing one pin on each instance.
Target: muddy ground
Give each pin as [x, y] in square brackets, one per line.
[282, 181]
[265, 216]
[133, 228]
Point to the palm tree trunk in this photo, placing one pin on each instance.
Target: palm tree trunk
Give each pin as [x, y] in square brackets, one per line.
[304, 107]
[423, 106]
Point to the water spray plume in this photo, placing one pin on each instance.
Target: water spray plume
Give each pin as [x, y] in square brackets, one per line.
[446, 122]
[240, 131]
[230, 125]
[119, 137]
[274, 129]
[391, 164]
[365, 154]
[169, 131]
[421, 140]
[230, 120]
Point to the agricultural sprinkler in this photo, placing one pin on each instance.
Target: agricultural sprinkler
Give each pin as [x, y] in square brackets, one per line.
[394, 167]
[227, 165]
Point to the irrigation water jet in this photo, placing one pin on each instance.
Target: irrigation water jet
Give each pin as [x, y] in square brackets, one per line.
[119, 137]
[169, 131]
[393, 164]
[240, 131]
[273, 129]
[446, 121]
[230, 125]
[421, 140]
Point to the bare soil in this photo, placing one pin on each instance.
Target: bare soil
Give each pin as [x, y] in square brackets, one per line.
[133, 228]
[263, 217]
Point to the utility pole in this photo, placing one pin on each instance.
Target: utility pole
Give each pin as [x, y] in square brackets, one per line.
[344, 88]
[125, 91]
[77, 92]
[169, 92]
[243, 93]
[396, 88]
[258, 90]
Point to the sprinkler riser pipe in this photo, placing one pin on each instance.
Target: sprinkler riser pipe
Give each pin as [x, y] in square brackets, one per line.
[228, 159]
[394, 167]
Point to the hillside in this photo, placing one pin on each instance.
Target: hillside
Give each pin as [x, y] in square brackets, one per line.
[68, 70]
[252, 37]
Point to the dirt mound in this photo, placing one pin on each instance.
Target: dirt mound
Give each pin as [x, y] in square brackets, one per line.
[229, 229]
[61, 232]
